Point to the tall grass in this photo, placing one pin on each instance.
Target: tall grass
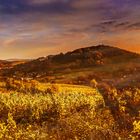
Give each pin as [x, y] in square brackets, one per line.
[50, 115]
[68, 112]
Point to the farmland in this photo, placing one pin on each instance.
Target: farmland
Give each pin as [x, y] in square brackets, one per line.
[61, 111]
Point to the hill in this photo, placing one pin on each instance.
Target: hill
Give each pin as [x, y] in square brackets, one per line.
[4, 64]
[103, 63]
[34, 110]
[9, 63]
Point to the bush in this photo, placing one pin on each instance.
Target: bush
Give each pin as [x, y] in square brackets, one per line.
[93, 83]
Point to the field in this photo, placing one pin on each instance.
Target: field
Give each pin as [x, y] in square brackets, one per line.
[87, 94]
[63, 112]
[119, 75]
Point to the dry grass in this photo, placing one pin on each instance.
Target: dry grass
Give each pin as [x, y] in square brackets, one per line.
[67, 112]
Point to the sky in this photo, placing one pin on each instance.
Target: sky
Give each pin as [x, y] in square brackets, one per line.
[35, 28]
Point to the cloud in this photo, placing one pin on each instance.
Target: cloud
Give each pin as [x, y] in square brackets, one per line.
[39, 24]
[17, 7]
[41, 1]
[135, 26]
[47, 1]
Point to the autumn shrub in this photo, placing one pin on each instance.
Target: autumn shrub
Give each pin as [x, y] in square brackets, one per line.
[53, 89]
[125, 106]
[93, 83]
[135, 134]
[10, 130]
[22, 85]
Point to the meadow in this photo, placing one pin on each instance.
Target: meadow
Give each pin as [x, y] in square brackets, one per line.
[39, 111]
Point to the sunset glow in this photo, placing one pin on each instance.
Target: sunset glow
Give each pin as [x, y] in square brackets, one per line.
[34, 28]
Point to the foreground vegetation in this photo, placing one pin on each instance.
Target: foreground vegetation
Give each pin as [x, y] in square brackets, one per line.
[31, 110]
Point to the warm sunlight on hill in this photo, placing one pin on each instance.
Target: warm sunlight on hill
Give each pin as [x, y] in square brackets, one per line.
[69, 69]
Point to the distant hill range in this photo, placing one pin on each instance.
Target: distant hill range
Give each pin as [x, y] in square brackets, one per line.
[104, 63]
[10, 63]
[17, 60]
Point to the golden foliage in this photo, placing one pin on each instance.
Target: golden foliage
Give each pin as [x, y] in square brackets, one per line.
[61, 112]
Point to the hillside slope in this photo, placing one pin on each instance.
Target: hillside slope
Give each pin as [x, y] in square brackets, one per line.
[98, 62]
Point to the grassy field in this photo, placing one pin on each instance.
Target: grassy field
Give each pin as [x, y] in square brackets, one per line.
[65, 115]
[39, 111]
[121, 72]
